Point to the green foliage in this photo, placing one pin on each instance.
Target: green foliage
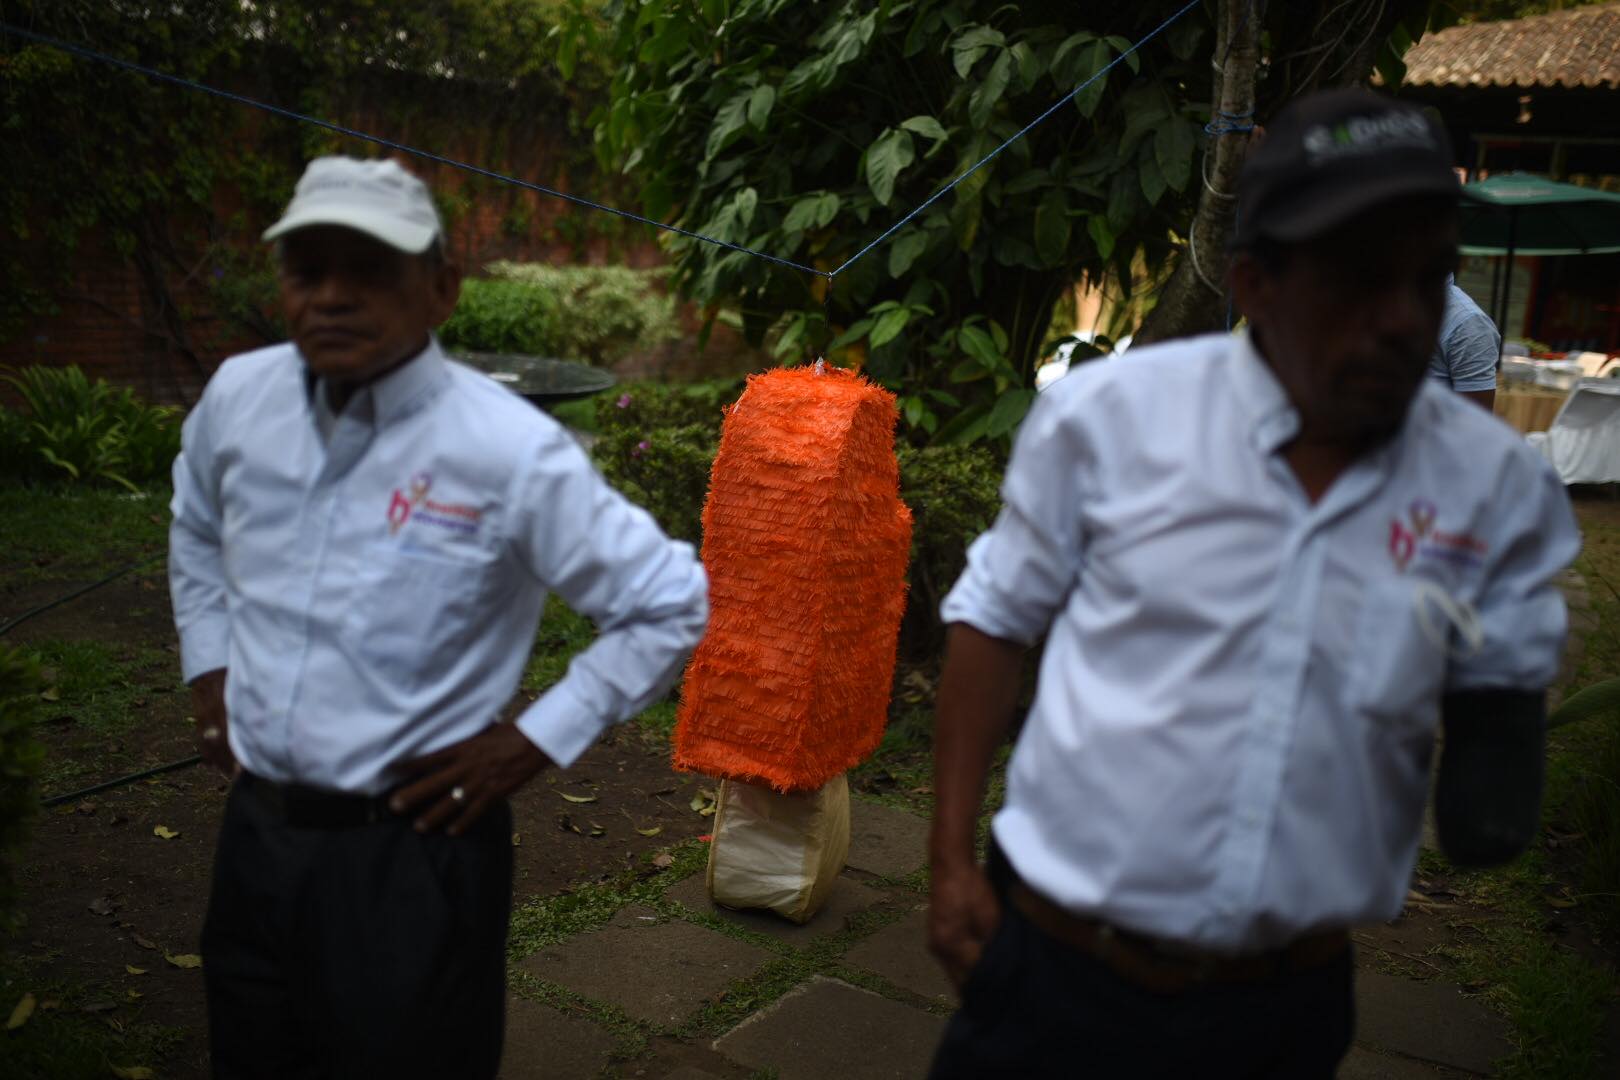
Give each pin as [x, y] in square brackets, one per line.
[603, 311]
[590, 313]
[954, 495]
[502, 316]
[806, 129]
[21, 756]
[77, 430]
[656, 444]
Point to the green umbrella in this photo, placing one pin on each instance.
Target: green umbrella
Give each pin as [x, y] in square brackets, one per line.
[1531, 215]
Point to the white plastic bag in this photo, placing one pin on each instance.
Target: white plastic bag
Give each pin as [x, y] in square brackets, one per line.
[780, 852]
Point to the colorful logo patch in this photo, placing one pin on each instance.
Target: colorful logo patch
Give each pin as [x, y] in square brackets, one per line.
[1417, 537]
[412, 502]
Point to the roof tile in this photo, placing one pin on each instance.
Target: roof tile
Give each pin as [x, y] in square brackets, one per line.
[1579, 47]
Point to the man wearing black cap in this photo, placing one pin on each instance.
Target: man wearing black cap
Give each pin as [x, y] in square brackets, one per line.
[1268, 567]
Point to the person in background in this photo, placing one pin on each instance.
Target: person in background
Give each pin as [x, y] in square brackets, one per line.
[1469, 349]
[1268, 567]
[364, 536]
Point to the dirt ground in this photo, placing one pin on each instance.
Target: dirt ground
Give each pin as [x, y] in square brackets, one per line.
[104, 893]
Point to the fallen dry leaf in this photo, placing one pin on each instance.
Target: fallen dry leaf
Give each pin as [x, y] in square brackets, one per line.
[145, 943]
[165, 833]
[566, 824]
[664, 861]
[20, 1014]
[52, 694]
[517, 839]
[184, 960]
[597, 830]
[86, 807]
[101, 905]
[133, 995]
[133, 970]
[48, 1004]
[577, 798]
[654, 831]
[99, 1007]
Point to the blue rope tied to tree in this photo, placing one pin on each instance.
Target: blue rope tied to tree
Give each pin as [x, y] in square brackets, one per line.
[91, 54]
[1225, 123]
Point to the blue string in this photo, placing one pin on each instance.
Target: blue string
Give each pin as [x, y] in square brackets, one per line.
[1225, 123]
[1021, 133]
[176, 80]
[392, 145]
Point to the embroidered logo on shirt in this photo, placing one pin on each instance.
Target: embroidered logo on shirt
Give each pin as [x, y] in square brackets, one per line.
[1417, 536]
[457, 516]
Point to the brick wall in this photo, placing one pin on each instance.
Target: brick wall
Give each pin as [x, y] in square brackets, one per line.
[112, 322]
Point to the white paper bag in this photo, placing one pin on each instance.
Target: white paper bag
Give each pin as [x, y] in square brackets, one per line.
[775, 851]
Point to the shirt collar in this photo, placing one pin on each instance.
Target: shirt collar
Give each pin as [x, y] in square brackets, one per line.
[1272, 417]
[401, 391]
[406, 388]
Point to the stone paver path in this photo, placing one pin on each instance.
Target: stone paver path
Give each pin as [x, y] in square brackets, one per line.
[829, 1029]
[662, 971]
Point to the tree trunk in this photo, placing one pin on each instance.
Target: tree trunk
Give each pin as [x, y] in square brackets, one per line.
[1193, 300]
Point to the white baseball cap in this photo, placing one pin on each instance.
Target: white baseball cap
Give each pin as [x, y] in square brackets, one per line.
[378, 198]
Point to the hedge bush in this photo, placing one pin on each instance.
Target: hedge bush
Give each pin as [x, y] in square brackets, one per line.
[657, 444]
[592, 313]
[78, 430]
[20, 758]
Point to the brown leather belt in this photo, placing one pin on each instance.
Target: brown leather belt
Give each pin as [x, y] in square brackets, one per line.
[1166, 967]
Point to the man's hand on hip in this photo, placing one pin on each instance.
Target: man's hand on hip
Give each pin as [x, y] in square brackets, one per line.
[457, 784]
[963, 914]
[213, 726]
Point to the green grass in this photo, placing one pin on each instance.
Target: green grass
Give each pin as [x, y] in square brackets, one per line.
[547, 920]
[102, 688]
[68, 534]
[63, 1042]
[562, 635]
[1557, 1000]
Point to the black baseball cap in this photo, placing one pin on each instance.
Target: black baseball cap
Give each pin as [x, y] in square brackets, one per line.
[1329, 156]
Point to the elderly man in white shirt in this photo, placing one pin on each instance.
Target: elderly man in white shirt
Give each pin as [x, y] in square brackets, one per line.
[364, 535]
[1268, 566]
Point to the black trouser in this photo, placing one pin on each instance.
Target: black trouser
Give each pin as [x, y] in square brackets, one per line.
[367, 950]
[1035, 1008]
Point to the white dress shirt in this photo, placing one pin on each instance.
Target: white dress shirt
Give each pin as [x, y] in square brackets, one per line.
[1230, 742]
[374, 593]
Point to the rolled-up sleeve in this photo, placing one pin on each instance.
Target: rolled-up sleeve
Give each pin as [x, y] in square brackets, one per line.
[608, 559]
[1019, 572]
[196, 564]
[1521, 610]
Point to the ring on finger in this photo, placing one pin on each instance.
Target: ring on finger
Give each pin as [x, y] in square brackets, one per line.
[458, 793]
